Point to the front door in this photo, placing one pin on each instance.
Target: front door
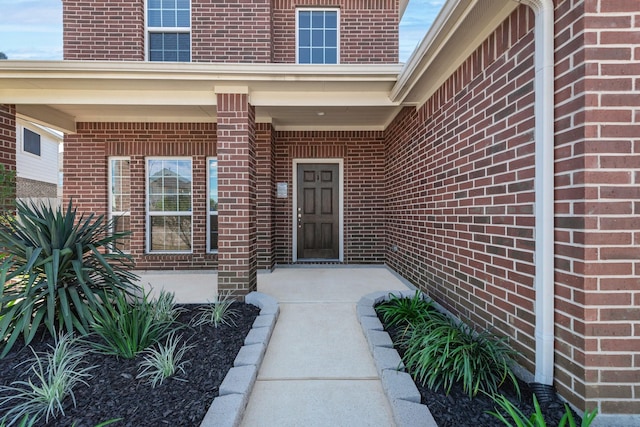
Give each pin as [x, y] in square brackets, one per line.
[318, 216]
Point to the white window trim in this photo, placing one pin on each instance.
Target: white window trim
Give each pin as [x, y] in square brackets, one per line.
[148, 30]
[294, 204]
[110, 211]
[148, 214]
[209, 213]
[337, 10]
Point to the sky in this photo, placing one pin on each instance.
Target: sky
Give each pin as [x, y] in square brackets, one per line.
[32, 29]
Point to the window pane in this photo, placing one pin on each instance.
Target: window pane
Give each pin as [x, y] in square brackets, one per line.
[331, 56]
[121, 224]
[304, 56]
[170, 233]
[317, 19]
[317, 55]
[331, 20]
[154, 4]
[305, 38]
[213, 232]
[317, 39]
[169, 4]
[31, 142]
[331, 38]
[184, 18]
[169, 185]
[213, 185]
[169, 46]
[155, 19]
[183, 4]
[304, 19]
[170, 42]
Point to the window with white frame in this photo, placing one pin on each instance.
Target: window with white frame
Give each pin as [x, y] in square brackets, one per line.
[317, 36]
[120, 198]
[169, 205]
[212, 205]
[169, 30]
[31, 142]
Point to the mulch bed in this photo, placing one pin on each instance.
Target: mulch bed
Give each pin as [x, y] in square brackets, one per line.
[114, 391]
[457, 410]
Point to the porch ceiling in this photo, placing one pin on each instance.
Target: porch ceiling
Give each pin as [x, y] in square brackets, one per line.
[62, 93]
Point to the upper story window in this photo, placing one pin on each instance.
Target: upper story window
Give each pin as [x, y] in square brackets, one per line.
[169, 30]
[317, 36]
[31, 142]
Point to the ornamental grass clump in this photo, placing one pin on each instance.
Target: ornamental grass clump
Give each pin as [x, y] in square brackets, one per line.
[165, 361]
[62, 266]
[126, 328]
[217, 313]
[53, 378]
[405, 312]
[441, 352]
[512, 416]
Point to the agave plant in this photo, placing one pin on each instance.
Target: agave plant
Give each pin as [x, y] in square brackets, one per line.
[61, 266]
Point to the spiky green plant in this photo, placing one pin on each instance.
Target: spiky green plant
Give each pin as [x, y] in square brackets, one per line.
[55, 375]
[126, 328]
[405, 312]
[512, 416]
[69, 265]
[217, 313]
[441, 352]
[165, 361]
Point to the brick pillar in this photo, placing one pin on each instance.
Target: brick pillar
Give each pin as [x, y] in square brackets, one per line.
[265, 189]
[8, 155]
[237, 194]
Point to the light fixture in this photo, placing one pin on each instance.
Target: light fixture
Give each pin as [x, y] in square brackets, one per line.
[320, 113]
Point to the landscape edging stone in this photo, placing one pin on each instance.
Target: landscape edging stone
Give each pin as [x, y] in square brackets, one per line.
[400, 392]
[227, 409]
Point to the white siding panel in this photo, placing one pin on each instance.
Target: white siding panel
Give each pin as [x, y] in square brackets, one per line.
[39, 168]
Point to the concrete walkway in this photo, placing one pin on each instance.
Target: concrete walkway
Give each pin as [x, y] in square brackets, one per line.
[318, 370]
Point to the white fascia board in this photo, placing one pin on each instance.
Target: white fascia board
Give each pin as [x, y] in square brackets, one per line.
[107, 97]
[321, 99]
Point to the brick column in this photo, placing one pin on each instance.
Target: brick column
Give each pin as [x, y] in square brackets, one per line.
[236, 194]
[8, 152]
[265, 189]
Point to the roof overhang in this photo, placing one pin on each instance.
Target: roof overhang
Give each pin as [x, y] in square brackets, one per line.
[59, 94]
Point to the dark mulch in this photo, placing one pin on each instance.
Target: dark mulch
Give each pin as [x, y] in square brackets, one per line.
[457, 410]
[114, 391]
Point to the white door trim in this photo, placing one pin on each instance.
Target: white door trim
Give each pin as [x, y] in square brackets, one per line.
[294, 204]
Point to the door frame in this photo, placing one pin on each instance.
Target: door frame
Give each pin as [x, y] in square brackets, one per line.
[294, 204]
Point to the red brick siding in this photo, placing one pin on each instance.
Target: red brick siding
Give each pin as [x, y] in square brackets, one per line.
[598, 174]
[86, 169]
[265, 195]
[459, 188]
[364, 222]
[8, 145]
[368, 30]
[231, 31]
[110, 30]
[237, 260]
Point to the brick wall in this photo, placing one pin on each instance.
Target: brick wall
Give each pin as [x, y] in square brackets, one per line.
[8, 147]
[236, 134]
[598, 203]
[364, 220]
[86, 168]
[368, 30]
[110, 30]
[265, 196]
[459, 188]
[231, 31]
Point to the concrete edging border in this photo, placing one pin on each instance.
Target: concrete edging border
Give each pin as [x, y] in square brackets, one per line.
[398, 386]
[227, 409]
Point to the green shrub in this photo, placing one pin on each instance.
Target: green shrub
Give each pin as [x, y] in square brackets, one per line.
[216, 313]
[68, 265]
[127, 328]
[164, 362]
[55, 376]
[515, 418]
[404, 312]
[441, 352]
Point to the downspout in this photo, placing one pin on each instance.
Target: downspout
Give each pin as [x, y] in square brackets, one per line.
[544, 196]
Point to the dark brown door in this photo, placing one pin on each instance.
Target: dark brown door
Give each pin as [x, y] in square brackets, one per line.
[318, 215]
